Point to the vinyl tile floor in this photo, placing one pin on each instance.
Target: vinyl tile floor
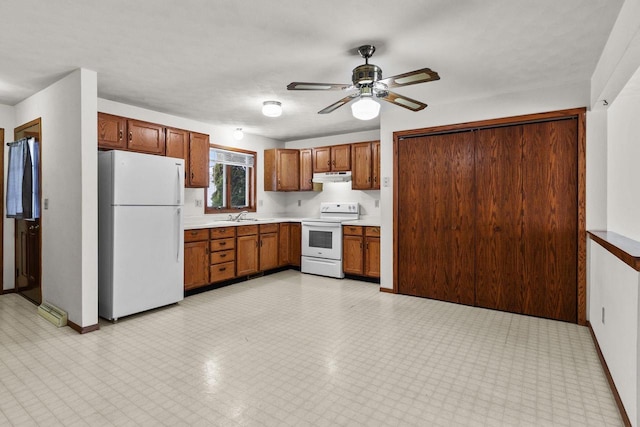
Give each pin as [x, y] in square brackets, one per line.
[291, 349]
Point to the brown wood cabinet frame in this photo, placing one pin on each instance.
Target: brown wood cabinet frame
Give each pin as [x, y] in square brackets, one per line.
[580, 114]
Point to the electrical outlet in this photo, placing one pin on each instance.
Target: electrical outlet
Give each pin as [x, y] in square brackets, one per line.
[46, 204]
[603, 315]
[299, 202]
[198, 203]
[377, 203]
[260, 203]
[385, 181]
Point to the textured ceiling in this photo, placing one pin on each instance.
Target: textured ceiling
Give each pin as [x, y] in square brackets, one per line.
[216, 61]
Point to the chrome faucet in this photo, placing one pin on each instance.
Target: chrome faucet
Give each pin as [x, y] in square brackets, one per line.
[239, 216]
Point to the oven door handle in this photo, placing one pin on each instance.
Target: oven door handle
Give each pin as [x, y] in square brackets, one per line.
[320, 225]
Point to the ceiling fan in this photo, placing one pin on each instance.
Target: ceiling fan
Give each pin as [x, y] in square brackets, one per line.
[368, 84]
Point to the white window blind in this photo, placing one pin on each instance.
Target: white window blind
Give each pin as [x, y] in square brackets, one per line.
[233, 158]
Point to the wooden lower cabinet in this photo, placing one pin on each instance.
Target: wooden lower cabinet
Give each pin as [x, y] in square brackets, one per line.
[268, 246]
[284, 237]
[247, 250]
[361, 251]
[196, 258]
[295, 244]
[222, 254]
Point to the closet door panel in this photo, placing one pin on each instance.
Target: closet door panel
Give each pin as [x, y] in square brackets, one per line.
[436, 205]
[550, 219]
[499, 219]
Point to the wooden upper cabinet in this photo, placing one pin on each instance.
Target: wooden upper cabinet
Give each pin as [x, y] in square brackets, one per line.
[362, 166]
[145, 137]
[111, 131]
[341, 158]
[335, 158]
[321, 159]
[306, 170]
[177, 143]
[281, 170]
[198, 162]
[375, 162]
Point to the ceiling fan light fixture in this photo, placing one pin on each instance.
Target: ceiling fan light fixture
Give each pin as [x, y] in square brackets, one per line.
[365, 109]
[238, 134]
[272, 108]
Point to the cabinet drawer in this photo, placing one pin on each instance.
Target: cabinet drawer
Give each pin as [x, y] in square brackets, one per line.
[247, 230]
[224, 271]
[372, 231]
[222, 244]
[196, 235]
[268, 228]
[352, 230]
[222, 256]
[221, 232]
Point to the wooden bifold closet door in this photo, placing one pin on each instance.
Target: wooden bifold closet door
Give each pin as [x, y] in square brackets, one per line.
[488, 217]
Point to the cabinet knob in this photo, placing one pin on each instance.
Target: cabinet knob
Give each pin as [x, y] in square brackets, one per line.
[120, 134]
[223, 255]
[130, 136]
[222, 268]
[223, 243]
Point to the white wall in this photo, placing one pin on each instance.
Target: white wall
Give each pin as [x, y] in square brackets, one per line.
[614, 286]
[267, 202]
[332, 192]
[7, 122]
[504, 105]
[69, 170]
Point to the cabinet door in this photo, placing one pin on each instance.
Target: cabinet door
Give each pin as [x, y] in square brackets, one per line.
[145, 137]
[321, 159]
[306, 170]
[372, 256]
[196, 264]
[246, 255]
[435, 254]
[375, 165]
[111, 131]
[295, 244]
[288, 170]
[352, 251]
[341, 157]
[283, 245]
[198, 172]
[268, 251]
[177, 143]
[361, 166]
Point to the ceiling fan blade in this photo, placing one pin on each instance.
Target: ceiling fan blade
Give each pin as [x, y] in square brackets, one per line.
[338, 104]
[317, 86]
[403, 101]
[411, 78]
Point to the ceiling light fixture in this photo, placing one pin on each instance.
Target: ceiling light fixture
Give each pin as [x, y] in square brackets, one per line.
[238, 134]
[271, 108]
[365, 109]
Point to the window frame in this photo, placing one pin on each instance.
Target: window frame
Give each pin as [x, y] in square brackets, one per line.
[251, 181]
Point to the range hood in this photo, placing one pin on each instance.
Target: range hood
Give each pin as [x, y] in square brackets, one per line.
[332, 177]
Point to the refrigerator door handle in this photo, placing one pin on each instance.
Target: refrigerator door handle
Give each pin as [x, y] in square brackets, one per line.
[178, 236]
[178, 183]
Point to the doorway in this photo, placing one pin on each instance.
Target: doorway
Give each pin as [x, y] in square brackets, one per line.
[28, 247]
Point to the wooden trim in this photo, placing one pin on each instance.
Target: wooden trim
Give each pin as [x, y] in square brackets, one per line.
[623, 413]
[7, 291]
[387, 290]
[582, 222]
[625, 249]
[83, 329]
[580, 114]
[396, 210]
[503, 121]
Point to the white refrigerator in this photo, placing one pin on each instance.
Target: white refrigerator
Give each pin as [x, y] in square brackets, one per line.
[140, 232]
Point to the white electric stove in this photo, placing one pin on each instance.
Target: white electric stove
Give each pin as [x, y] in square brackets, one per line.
[322, 239]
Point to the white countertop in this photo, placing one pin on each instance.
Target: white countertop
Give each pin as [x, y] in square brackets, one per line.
[203, 222]
[365, 221]
[197, 223]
